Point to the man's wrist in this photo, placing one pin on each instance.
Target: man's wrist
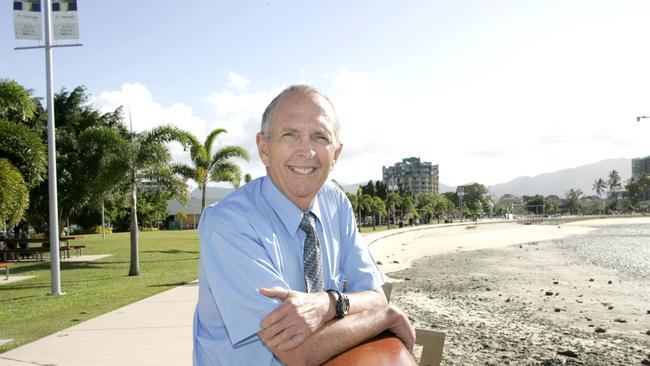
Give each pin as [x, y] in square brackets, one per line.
[342, 303]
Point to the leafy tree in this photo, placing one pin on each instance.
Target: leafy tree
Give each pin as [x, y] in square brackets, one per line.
[366, 203]
[353, 201]
[573, 200]
[404, 190]
[474, 198]
[424, 202]
[381, 190]
[247, 178]
[552, 204]
[211, 168]
[369, 188]
[16, 102]
[75, 169]
[22, 151]
[14, 197]
[25, 150]
[442, 206]
[535, 204]
[408, 208]
[638, 191]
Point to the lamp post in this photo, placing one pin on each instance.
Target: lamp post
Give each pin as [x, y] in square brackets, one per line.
[461, 192]
[639, 118]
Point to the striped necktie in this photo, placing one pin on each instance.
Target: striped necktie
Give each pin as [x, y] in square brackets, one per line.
[312, 255]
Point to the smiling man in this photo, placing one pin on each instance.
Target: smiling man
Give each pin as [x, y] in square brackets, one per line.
[283, 276]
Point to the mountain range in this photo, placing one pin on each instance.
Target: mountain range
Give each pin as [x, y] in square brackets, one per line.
[558, 182]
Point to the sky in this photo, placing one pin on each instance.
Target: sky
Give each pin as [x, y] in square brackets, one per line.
[488, 90]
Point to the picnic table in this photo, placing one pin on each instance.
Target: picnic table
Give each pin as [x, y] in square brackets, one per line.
[18, 248]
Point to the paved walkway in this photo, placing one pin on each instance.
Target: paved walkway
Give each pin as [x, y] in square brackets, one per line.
[154, 331]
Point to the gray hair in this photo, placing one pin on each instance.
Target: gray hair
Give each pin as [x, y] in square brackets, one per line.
[267, 117]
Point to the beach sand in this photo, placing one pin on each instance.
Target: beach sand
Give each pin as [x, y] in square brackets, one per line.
[510, 294]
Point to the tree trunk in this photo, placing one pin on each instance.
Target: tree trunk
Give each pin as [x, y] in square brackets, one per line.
[135, 261]
[103, 224]
[203, 197]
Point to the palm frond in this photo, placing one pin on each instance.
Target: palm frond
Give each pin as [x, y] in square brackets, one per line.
[209, 141]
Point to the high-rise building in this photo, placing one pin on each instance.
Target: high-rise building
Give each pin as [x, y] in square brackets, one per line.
[640, 167]
[411, 172]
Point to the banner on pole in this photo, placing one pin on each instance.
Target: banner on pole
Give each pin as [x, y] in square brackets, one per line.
[27, 20]
[64, 19]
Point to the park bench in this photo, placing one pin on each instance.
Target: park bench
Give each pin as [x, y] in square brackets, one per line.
[432, 342]
[6, 266]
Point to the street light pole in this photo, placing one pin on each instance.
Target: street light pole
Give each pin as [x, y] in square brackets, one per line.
[639, 118]
[461, 193]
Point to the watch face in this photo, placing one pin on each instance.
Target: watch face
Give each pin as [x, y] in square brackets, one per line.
[345, 304]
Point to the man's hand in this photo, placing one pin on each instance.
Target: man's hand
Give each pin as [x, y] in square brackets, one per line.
[299, 316]
[401, 326]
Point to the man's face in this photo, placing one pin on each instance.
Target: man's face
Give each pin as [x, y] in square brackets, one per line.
[301, 148]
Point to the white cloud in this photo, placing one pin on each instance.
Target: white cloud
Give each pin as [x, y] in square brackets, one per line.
[489, 128]
[237, 81]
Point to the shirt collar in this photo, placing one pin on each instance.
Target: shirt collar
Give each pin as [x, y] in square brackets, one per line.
[287, 211]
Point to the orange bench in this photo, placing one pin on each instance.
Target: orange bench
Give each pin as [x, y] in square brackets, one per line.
[6, 266]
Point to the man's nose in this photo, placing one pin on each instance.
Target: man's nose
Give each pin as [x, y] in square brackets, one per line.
[306, 147]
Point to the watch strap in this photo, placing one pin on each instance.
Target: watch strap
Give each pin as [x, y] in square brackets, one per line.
[342, 303]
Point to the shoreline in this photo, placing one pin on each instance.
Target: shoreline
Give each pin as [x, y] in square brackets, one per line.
[517, 296]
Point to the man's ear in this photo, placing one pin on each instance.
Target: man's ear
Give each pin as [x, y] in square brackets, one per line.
[262, 148]
[337, 152]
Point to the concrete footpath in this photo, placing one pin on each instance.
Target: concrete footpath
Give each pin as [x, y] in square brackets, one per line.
[158, 330]
[153, 331]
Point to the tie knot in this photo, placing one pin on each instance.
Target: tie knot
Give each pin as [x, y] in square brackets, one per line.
[307, 222]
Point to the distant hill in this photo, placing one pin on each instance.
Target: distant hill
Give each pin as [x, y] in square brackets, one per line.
[561, 181]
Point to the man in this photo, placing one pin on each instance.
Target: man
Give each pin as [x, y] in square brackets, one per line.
[269, 250]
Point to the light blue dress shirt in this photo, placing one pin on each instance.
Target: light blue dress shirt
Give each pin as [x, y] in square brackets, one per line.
[252, 239]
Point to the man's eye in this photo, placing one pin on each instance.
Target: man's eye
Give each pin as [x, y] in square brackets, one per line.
[322, 139]
[289, 135]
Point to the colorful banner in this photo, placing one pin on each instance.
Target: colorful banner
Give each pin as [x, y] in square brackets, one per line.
[64, 19]
[27, 19]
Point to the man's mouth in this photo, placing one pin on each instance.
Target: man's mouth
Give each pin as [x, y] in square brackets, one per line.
[301, 170]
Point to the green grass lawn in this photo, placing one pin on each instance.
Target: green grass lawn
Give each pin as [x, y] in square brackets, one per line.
[167, 259]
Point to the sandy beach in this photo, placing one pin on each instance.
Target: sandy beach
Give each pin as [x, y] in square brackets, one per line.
[511, 294]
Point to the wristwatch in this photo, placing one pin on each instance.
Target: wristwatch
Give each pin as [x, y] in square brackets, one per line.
[342, 303]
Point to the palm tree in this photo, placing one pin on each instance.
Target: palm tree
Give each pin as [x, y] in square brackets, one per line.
[150, 159]
[378, 209]
[14, 197]
[16, 102]
[599, 187]
[130, 159]
[393, 201]
[23, 160]
[614, 181]
[211, 168]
